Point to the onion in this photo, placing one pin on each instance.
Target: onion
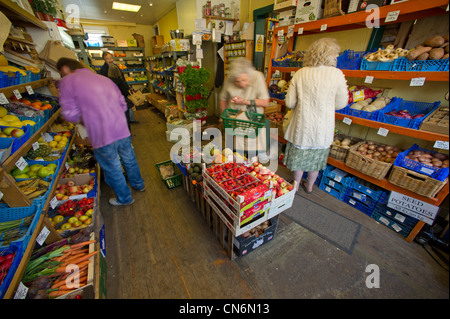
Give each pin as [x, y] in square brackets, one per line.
[446, 162]
[436, 162]
[388, 148]
[370, 142]
[362, 148]
[370, 152]
[376, 154]
[371, 147]
[380, 148]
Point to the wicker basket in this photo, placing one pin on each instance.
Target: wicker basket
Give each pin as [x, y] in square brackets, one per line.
[340, 153]
[415, 182]
[374, 168]
[333, 8]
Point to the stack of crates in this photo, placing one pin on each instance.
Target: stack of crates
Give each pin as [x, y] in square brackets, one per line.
[363, 195]
[335, 182]
[393, 219]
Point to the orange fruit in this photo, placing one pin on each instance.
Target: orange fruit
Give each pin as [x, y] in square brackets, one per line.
[46, 107]
[26, 102]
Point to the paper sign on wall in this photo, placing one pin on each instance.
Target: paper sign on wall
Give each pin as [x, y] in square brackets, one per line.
[413, 207]
[259, 47]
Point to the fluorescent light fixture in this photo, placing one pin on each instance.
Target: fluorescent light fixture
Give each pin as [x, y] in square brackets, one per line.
[125, 7]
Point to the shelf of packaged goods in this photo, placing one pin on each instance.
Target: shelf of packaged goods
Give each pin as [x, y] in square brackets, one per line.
[16, 14]
[409, 10]
[385, 75]
[116, 48]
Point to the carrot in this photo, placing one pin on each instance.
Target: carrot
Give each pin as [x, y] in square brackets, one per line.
[84, 243]
[79, 251]
[63, 267]
[82, 258]
[61, 258]
[62, 282]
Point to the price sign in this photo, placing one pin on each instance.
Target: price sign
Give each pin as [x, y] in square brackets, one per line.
[21, 292]
[47, 137]
[300, 31]
[392, 16]
[40, 239]
[441, 144]
[17, 94]
[53, 202]
[1, 195]
[3, 99]
[35, 146]
[417, 82]
[21, 163]
[29, 89]
[383, 132]
[323, 27]
[369, 79]
[347, 121]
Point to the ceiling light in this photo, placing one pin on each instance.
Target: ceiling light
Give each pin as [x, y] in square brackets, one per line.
[125, 7]
[150, 4]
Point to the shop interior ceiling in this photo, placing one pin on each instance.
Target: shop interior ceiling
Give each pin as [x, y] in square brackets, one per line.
[150, 12]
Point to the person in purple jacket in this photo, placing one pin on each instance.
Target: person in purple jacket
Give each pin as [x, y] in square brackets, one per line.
[97, 103]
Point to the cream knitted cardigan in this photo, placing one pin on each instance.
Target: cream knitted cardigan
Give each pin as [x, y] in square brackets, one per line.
[314, 94]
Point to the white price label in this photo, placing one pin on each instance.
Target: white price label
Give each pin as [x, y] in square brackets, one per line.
[29, 89]
[347, 121]
[21, 163]
[383, 131]
[392, 16]
[1, 195]
[17, 94]
[120, 59]
[323, 27]
[47, 137]
[140, 60]
[300, 31]
[369, 79]
[67, 166]
[35, 146]
[21, 292]
[441, 144]
[280, 33]
[417, 82]
[53, 202]
[3, 99]
[40, 239]
[292, 73]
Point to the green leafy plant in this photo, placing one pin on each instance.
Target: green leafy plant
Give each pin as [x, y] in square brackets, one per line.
[193, 80]
[44, 6]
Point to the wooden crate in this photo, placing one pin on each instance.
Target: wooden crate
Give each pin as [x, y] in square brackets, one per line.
[437, 121]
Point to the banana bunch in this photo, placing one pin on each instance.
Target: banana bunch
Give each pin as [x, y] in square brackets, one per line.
[10, 68]
[33, 188]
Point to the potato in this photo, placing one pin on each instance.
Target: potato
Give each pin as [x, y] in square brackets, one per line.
[446, 38]
[435, 41]
[413, 54]
[436, 54]
[445, 56]
[423, 57]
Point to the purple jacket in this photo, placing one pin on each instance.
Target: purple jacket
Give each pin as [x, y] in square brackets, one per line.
[96, 102]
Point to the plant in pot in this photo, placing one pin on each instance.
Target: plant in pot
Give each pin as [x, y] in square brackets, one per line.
[44, 9]
[196, 94]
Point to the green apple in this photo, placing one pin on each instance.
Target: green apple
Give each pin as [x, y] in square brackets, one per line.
[35, 167]
[43, 172]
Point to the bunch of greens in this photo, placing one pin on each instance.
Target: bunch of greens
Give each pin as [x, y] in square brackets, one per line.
[193, 80]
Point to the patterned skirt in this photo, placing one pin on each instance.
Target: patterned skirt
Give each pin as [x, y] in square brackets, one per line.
[307, 160]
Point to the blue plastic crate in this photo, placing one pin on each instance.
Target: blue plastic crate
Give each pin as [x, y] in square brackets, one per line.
[382, 219]
[17, 248]
[350, 60]
[283, 63]
[13, 213]
[414, 108]
[376, 65]
[366, 190]
[17, 142]
[15, 78]
[403, 64]
[396, 216]
[364, 114]
[357, 203]
[339, 193]
[437, 173]
[279, 96]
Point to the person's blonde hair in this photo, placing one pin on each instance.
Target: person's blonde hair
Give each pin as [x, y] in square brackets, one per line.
[240, 66]
[322, 52]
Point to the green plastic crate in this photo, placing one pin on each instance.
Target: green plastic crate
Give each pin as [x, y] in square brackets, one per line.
[258, 121]
[173, 181]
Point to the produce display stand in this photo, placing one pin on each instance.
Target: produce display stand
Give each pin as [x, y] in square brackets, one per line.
[409, 10]
[43, 219]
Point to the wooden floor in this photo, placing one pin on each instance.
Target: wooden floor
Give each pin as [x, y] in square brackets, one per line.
[161, 248]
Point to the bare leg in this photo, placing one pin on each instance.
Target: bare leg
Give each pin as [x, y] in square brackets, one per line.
[298, 178]
[312, 176]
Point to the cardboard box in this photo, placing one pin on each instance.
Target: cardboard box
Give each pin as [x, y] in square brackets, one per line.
[81, 179]
[157, 41]
[309, 10]
[284, 4]
[360, 5]
[243, 246]
[132, 42]
[107, 41]
[122, 43]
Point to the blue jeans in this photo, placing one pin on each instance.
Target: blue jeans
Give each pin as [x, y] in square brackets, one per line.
[109, 161]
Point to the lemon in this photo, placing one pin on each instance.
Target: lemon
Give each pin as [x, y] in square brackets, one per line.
[52, 144]
[57, 138]
[15, 123]
[28, 122]
[3, 111]
[64, 138]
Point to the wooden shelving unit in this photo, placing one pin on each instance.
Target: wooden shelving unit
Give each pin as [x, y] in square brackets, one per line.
[409, 10]
[17, 14]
